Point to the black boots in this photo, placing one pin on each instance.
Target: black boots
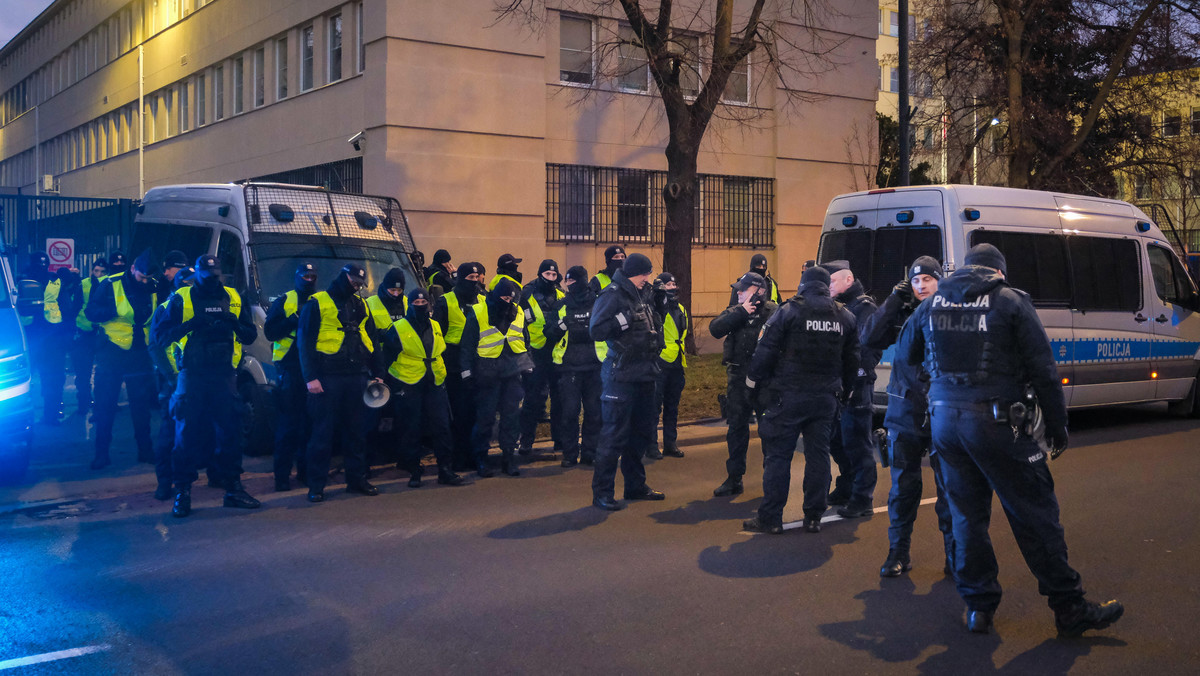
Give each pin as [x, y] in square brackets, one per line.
[979, 621]
[653, 453]
[236, 496]
[1086, 616]
[608, 504]
[509, 465]
[756, 526]
[895, 564]
[183, 503]
[163, 492]
[364, 487]
[446, 477]
[855, 511]
[732, 486]
[671, 450]
[812, 525]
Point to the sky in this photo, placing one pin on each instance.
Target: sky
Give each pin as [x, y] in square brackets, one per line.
[16, 14]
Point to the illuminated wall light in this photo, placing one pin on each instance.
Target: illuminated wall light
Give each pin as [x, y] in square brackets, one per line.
[1066, 381]
[1153, 374]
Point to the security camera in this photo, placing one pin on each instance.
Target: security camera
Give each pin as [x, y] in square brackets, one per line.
[357, 140]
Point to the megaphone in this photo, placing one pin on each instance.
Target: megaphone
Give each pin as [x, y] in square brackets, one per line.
[376, 395]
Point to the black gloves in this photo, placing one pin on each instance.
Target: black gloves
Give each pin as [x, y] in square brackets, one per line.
[904, 292]
[1056, 439]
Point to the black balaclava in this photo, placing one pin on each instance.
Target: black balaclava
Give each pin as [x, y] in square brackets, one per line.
[394, 279]
[39, 267]
[208, 272]
[499, 310]
[758, 265]
[116, 263]
[579, 280]
[547, 287]
[418, 315]
[440, 258]
[340, 288]
[305, 288]
[507, 265]
[611, 266]
[464, 288]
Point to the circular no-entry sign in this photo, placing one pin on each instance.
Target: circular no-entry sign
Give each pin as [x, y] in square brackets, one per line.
[61, 252]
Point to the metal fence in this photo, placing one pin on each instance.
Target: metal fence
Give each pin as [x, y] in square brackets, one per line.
[604, 204]
[342, 176]
[296, 210]
[98, 226]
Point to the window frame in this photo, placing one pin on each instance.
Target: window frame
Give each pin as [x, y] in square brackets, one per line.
[591, 52]
[281, 68]
[238, 82]
[335, 36]
[1042, 270]
[746, 63]
[219, 92]
[259, 62]
[308, 56]
[622, 61]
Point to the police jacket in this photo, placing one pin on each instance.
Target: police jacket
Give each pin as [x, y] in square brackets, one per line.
[862, 307]
[422, 362]
[675, 326]
[623, 318]
[740, 330]
[513, 358]
[353, 355]
[538, 299]
[574, 349]
[280, 328]
[450, 312]
[211, 331]
[981, 340]
[102, 311]
[809, 345]
[909, 383]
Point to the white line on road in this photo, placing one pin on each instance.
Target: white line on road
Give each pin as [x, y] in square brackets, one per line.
[53, 657]
[835, 517]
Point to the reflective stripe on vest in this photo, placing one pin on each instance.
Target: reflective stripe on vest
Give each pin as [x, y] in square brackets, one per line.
[189, 311]
[50, 306]
[380, 315]
[81, 321]
[119, 330]
[456, 319]
[331, 333]
[412, 362]
[491, 341]
[291, 305]
[561, 348]
[674, 338]
[536, 320]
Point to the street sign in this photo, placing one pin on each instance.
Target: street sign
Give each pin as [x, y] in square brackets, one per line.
[61, 252]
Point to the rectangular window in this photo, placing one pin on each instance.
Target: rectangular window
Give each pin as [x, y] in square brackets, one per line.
[1037, 264]
[260, 88]
[1142, 187]
[1106, 273]
[201, 90]
[894, 82]
[879, 258]
[239, 85]
[1196, 120]
[894, 24]
[736, 194]
[633, 205]
[737, 90]
[281, 69]
[688, 49]
[219, 93]
[335, 48]
[306, 58]
[1172, 124]
[184, 120]
[575, 50]
[362, 45]
[571, 201]
[633, 72]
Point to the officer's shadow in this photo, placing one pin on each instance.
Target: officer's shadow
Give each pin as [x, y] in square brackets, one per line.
[554, 524]
[761, 555]
[899, 626]
[712, 509]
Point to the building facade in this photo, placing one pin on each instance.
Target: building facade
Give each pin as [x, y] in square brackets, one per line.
[496, 136]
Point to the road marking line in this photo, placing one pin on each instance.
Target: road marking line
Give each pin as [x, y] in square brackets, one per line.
[54, 656]
[834, 517]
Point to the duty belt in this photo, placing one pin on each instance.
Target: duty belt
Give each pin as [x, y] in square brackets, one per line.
[976, 406]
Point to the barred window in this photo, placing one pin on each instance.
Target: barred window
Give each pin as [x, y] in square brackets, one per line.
[605, 204]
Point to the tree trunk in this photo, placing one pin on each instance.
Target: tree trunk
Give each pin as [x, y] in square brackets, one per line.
[679, 195]
[1020, 160]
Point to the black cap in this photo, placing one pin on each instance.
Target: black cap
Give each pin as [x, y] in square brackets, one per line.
[469, 269]
[925, 265]
[815, 274]
[116, 259]
[306, 268]
[547, 265]
[354, 272]
[417, 294]
[987, 256]
[578, 273]
[613, 251]
[836, 266]
[748, 280]
[637, 264]
[666, 277]
[40, 259]
[145, 263]
[508, 260]
[506, 288]
[100, 262]
[809, 264]
[208, 263]
[758, 262]
[394, 279]
[175, 259]
[441, 256]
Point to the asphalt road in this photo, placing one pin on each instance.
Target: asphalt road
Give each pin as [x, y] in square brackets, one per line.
[521, 575]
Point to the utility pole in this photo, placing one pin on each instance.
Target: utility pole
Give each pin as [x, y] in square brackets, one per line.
[141, 116]
[903, 113]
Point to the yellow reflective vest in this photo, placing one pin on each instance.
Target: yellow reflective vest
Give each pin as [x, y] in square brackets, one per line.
[560, 348]
[119, 330]
[674, 336]
[491, 341]
[189, 311]
[81, 320]
[535, 319]
[50, 305]
[456, 319]
[331, 332]
[496, 280]
[291, 305]
[605, 280]
[380, 315]
[412, 362]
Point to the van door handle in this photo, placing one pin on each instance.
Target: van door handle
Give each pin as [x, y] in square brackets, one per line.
[1139, 318]
[1161, 319]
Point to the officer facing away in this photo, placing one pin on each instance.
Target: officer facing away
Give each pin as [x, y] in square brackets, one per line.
[672, 362]
[622, 317]
[851, 445]
[906, 420]
[211, 322]
[292, 426]
[577, 360]
[740, 325]
[983, 345]
[337, 358]
[809, 351]
[450, 312]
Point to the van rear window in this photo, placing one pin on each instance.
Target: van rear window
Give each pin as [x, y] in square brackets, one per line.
[880, 257]
[1037, 264]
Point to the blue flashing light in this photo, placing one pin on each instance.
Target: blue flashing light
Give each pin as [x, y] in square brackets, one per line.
[905, 216]
[971, 214]
[849, 221]
[1143, 226]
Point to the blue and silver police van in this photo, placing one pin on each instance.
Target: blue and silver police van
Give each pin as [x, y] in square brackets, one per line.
[16, 395]
[1121, 310]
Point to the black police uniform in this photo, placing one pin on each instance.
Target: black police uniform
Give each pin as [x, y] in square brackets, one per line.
[206, 395]
[851, 444]
[438, 279]
[293, 426]
[672, 374]
[758, 265]
[807, 356]
[542, 381]
[740, 330]
[383, 436]
[604, 277]
[338, 412]
[982, 344]
[50, 332]
[621, 317]
[578, 370]
[83, 348]
[460, 392]
[908, 435]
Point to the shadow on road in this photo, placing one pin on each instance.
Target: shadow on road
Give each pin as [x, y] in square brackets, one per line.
[762, 556]
[554, 524]
[714, 509]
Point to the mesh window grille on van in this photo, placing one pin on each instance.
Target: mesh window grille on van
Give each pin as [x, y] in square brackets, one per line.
[879, 258]
[1037, 264]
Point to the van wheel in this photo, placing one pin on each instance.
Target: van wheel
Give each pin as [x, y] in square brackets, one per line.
[13, 467]
[258, 436]
[1189, 406]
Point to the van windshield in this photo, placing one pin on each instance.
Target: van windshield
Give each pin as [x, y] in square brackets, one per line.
[880, 257]
[276, 258]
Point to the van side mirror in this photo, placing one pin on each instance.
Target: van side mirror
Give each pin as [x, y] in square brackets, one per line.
[30, 298]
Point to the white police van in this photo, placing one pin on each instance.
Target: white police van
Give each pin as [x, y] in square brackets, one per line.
[1121, 311]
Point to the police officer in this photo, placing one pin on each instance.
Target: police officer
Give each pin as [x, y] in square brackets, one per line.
[672, 361]
[165, 357]
[450, 312]
[494, 356]
[50, 332]
[622, 317]
[440, 275]
[614, 258]
[906, 421]
[852, 441]
[386, 306]
[211, 323]
[389, 303]
[538, 299]
[414, 345]
[116, 263]
[338, 360]
[577, 361]
[982, 344]
[292, 423]
[122, 306]
[506, 268]
[758, 265]
[740, 325]
[173, 262]
[83, 349]
[809, 353]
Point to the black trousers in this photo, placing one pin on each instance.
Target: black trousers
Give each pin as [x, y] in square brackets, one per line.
[667, 391]
[579, 390]
[423, 412]
[293, 426]
[739, 409]
[850, 446]
[164, 443]
[83, 363]
[539, 384]
[496, 396]
[791, 414]
[627, 431]
[207, 408]
[48, 348]
[115, 366]
[978, 457]
[462, 413]
[338, 411]
[905, 452]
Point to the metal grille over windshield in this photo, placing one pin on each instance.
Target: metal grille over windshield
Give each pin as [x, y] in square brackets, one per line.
[292, 210]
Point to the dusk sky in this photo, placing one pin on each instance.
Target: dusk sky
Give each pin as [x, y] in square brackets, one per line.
[17, 14]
